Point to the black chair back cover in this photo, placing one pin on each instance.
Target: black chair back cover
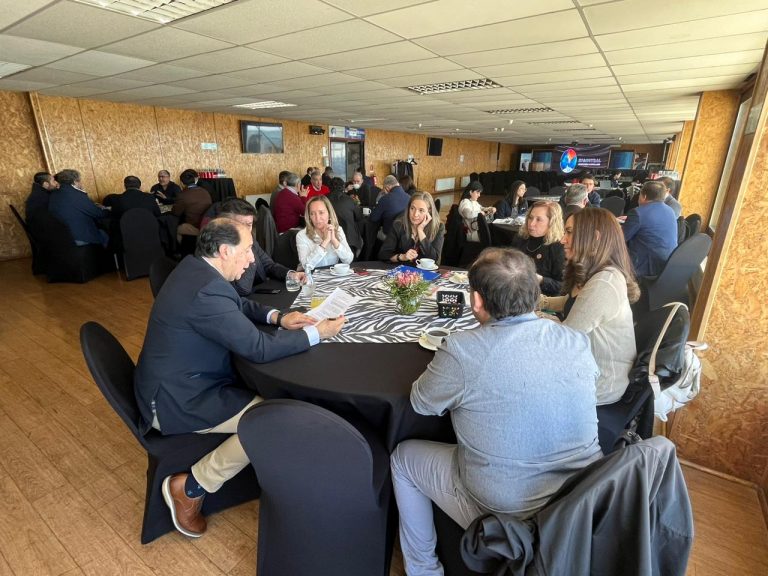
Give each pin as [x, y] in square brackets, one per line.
[694, 224]
[159, 271]
[556, 191]
[614, 205]
[531, 191]
[38, 261]
[65, 261]
[113, 371]
[265, 230]
[454, 237]
[325, 491]
[140, 231]
[483, 231]
[671, 285]
[682, 230]
[261, 202]
[286, 252]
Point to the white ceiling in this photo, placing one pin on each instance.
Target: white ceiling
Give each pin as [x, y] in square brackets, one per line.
[609, 70]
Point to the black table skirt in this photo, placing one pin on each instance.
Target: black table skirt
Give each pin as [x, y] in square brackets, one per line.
[219, 188]
[503, 234]
[368, 381]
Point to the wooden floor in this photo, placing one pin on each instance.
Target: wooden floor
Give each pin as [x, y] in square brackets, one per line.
[72, 476]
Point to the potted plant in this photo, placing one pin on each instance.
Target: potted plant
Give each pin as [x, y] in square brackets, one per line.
[406, 289]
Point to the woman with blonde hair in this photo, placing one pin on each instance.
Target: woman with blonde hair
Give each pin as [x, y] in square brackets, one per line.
[322, 242]
[599, 286]
[539, 238]
[418, 233]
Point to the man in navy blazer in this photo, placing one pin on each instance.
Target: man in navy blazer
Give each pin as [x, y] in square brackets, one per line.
[71, 205]
[184, 379]
[650, 230]
[394, 203]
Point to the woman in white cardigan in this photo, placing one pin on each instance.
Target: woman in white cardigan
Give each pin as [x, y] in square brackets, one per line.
[599, 286]
[322, 242]
[469, 208]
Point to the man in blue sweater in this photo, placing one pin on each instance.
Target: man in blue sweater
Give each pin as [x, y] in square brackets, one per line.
[393, 203]
[650, 230]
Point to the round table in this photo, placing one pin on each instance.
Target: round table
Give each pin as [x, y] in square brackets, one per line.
[503, 234]
[367, 381]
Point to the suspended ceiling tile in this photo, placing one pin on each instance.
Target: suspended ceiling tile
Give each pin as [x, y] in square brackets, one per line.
[164, 44]
[100, 63]
[62, 22]
[31, 51]
[110, 84]
[339, 37]
[449, 15]
[326, 79]
[162, 73]
[368, 7]
[228, 60]
[249, 21]
[357, 86]
[13, 85]
[550, 65]
[732, 81]
[213, 82]
[556, 26]
[12, 12]
[432, 78]
[374, 56]
[154, 91]
[747, 57]
[52, 76]
[700, 29]
[541, 50]
[395, 70]
[608, 18]
[565, 78]
[691, 48]
[74, 91]
[743, 69]
[277, 72]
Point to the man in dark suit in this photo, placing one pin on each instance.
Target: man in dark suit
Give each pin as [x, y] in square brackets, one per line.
[359, 188]
[650, 230]
[263, 266]
[184, 379]
[133, 197]
[166, 191]
[42, 186]
[349, 214]
[71, 205]
[392, 204]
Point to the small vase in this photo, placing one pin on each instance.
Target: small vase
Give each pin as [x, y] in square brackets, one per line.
[407, 306]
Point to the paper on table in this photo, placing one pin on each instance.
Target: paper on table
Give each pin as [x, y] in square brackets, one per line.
[333, 306]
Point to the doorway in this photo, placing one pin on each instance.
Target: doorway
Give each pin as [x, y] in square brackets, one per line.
[346, 157]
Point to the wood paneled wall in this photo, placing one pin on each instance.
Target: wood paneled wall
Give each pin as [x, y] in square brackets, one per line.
[711, 137]
[678, 152]
[20, 157]
[726, 428]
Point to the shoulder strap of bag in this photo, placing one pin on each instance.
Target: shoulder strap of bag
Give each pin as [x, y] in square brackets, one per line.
[652, 378]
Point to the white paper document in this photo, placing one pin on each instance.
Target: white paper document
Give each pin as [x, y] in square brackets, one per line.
[333, 306]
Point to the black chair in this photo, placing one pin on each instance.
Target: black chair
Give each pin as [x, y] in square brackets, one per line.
[65, 260]
[694, 224]
[141, 242]
[261, 202]
[38, 261]
[614, 205]
[682, 230]
[265, 230]
[437, 207]
[483, 231]
[326, 493]
[286, 252]
[556, 191]
[113, 369]
[671, 285]
[159, 271]
[532, 191]
[454, 237]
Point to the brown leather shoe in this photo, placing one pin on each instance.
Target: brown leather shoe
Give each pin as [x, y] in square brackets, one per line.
[185, 511]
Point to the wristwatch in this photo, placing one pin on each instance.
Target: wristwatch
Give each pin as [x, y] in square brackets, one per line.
[280, 316]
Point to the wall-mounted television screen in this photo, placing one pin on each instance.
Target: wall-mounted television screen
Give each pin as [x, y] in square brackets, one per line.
[622, 159]
[261, 137]
[434, 146]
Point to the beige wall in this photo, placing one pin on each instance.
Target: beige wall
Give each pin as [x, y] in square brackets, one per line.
[711, 137]
[106, 141]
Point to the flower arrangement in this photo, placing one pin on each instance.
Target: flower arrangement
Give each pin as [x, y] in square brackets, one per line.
[407, 288]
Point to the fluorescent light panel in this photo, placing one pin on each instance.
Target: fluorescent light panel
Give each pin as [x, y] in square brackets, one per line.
[457, 86]
[158, 10]
[265, 104]
[534, 110]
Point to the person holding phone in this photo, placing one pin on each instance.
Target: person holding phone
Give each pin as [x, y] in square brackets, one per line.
[322, 242]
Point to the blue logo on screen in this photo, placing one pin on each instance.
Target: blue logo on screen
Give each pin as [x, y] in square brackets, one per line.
[568, 160]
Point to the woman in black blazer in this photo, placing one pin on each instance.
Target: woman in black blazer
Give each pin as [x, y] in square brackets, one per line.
[418, 233]
[514, 203]
[539, 238]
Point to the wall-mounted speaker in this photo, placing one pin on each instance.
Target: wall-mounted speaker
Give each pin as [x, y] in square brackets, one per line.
[317, 130]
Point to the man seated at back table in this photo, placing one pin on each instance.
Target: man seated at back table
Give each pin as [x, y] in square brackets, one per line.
[184, 379]
[262, 266]
[522, 427]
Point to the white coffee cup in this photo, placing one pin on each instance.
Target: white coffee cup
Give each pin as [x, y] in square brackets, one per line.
[341, 268]
[425, 263]
[435, 336]
[366, 211]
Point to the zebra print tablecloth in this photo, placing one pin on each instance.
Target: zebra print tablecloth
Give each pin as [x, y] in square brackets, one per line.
[374, 318]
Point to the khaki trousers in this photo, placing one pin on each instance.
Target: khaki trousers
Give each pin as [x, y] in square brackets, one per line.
[223, 463]
[186, 230]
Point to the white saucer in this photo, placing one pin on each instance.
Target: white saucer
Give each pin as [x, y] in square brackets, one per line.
[334, 273]
[456, 279]
[435, 267]
[424, 343]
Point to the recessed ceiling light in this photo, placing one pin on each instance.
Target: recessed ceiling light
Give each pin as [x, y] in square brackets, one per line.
[457, 86]
[511, 121]
[419, 124]
[265, 104]
[157, 10]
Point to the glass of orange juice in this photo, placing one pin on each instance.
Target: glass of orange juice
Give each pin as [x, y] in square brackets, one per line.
[316, 300]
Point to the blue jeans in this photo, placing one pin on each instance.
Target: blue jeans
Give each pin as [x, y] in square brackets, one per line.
[424, 472]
